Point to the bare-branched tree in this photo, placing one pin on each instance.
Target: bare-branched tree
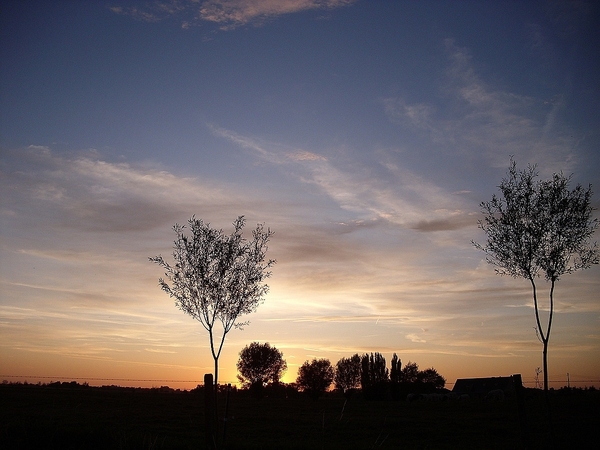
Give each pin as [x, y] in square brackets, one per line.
[216, 278]
[539, 228]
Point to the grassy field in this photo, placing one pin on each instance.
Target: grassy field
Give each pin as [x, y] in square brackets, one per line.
[80, 417]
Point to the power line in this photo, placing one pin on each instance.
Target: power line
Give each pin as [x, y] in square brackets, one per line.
[202, 381]
[106, 379]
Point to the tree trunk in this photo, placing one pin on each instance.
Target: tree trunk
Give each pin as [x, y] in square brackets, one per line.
[211, 436]
[544, 337]
[216, 371]
[547, 338]
[216, 401]
[216, 355]
[545, 362]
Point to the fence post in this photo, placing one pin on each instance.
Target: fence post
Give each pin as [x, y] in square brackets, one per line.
[226, 413]
[520, 394]
[209, 411]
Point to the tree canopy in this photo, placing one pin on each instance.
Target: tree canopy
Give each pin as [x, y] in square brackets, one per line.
[216, 278]
[260, 364]
[374, 376]
[315, 377]
[410, 373]
[347, 373]
[539, 228]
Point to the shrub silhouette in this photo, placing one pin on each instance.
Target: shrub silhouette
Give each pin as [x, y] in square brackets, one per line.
[347, 374]
[315, 377]
[260, 364]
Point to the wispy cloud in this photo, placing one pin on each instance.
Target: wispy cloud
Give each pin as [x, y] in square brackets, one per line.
[78, 289]
[232, 13]
[267, 151]
[387, 192]
[415, 338]
[84, 192]
[137, 14]
[482, 120]
[228, 14]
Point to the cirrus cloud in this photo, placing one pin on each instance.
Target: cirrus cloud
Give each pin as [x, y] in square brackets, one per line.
[228, 14]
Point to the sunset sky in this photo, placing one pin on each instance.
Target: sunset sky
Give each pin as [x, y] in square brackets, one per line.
[364, 133]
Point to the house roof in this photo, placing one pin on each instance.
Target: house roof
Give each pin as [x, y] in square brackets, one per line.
[481, 386]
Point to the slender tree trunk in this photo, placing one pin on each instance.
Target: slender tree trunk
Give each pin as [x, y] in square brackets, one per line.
[216, 355]
[216, 370]
[211, 436]
[212, 350]
[216, 386]
[216, 401]
[546, 391]
[547, 339]
[545, 362]
[544, 337]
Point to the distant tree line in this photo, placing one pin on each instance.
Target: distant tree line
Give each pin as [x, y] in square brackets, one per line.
[369, 374]
[261, 367]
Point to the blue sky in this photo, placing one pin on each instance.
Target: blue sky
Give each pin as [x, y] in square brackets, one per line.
[364, 133]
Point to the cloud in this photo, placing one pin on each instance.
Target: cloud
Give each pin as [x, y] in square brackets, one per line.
[303, 155]
[418, 114]
[476, 119]
[79, 220]
[415, 338]
[258, 148]
[137, 14]
[382, 258]
[84, 192]
[386, 192]
[233, 13]
[267, 151]
[78, 229]
[448, 224]
[228, 14]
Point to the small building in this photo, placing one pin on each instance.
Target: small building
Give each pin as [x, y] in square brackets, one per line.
[479, 387]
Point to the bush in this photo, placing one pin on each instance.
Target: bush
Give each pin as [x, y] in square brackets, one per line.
[315, 377]
[260, 364]
[347, 374]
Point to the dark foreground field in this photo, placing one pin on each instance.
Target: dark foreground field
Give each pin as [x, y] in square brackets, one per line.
[80, 417]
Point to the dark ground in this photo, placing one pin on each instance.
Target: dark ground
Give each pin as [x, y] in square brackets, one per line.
[71, 416]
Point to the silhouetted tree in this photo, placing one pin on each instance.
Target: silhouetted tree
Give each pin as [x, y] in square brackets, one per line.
[395, 374]
[347, 374]
[365, 374]
[539, 228]
[258, 365]
[374, 376]
[430, 379]
[315, 377]
[217, 278]
[410, 373]
[395, 367]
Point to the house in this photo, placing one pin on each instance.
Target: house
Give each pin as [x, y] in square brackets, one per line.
[479, 387]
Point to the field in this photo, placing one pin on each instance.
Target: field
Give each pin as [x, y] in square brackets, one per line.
[71, 416]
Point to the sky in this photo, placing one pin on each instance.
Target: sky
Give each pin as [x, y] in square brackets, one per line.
[364, 133]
